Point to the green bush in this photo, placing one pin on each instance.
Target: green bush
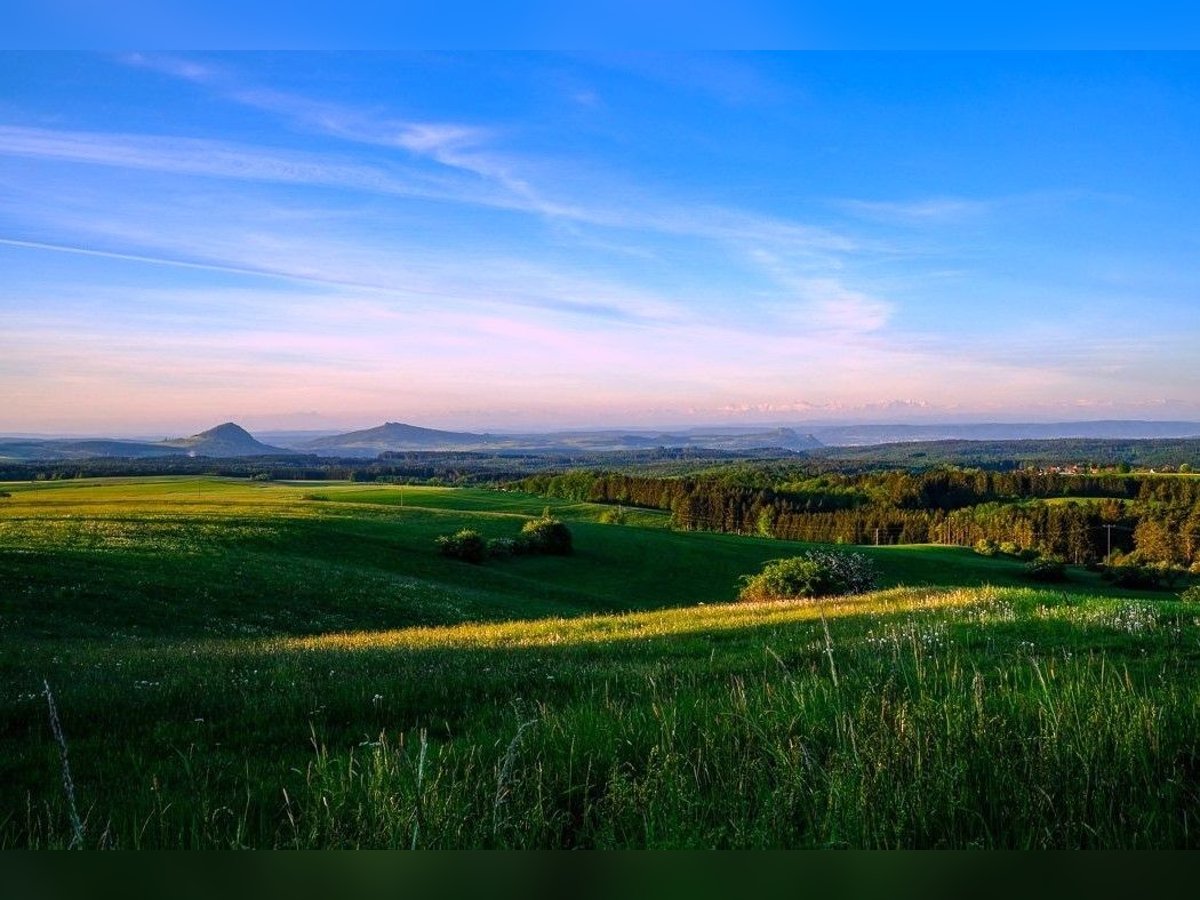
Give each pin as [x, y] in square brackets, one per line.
[467, 545]
[817, 573]
[546, 535]
[1134, 577]
[1191, 595]
[1046, 568]
[616, 516]
[1010, 548]
[986, 547]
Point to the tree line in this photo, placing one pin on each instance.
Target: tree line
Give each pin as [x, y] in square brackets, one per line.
[1082, 518]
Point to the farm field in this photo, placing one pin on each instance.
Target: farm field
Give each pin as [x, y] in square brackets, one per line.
[248, 664]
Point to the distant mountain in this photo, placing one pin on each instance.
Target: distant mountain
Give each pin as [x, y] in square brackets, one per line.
[224, 440]
[397, 436]
[1116, 429]
[393, 436]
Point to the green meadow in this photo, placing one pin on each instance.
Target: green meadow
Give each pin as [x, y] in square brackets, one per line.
[248, 664]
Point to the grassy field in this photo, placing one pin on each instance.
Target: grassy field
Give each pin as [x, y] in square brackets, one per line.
[265, 664]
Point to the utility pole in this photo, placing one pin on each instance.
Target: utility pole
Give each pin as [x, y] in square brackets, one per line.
[1108, 529]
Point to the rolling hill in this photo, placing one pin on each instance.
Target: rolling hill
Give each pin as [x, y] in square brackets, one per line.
[393, 436]
[227, 439]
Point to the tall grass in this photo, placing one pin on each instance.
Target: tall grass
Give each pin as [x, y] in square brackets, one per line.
[914, 720]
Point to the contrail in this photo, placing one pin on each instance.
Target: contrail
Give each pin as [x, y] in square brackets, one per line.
[227, 269]
[585, 309]
[159, 260]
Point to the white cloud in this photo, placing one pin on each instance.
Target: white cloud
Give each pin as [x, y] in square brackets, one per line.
[219, 159]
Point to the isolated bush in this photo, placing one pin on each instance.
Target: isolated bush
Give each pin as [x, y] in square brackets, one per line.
[986, 547]
[261, 476]
[547, 535]
[1010, 548]
[1191, 595]
[616, 516]
[4, 494]
[817, 573]
[1046, 568]
[467, 545]
[315, 497]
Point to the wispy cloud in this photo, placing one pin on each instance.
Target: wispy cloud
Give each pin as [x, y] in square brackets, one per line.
[455, 145]
[927, 211]
[187, 69]
[821, 302]
[226, 160]
[470, 149]
[223, 159]
[263, 245]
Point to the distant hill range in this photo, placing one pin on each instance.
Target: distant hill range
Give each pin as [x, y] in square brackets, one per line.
[1115, 429]
[224, 441]
[230, 440]
[399, 437]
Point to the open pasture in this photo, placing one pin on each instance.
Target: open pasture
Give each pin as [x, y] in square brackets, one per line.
[271, 664]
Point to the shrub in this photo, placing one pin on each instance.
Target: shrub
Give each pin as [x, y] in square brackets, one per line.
[986, 547]
[547, 535]
[1010, 548]
[1191, 595]
[1046, 568]
[817, 573]
[1133, 577]
[1168, 574]
[467, 545]
[4, 494]
[616, 516]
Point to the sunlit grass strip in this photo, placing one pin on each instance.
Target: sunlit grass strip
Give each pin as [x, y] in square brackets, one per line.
[646, 625]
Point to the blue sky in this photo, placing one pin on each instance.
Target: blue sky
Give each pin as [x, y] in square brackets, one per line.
[529, 240]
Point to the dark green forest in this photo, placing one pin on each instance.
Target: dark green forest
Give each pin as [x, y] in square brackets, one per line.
[1141, 518]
